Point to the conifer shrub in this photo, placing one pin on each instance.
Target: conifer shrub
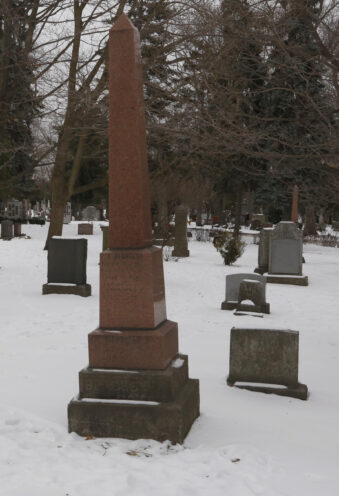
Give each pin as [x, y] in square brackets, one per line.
[229, 247]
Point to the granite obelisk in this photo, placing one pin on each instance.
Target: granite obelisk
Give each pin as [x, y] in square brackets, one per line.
[158, 400]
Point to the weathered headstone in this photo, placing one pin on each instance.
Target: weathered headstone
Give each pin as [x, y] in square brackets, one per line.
[17, 229]
[67, 267]
[233, 282]
[180, 243]
[85, 229]
[105, 235]
[7, 229]
[263, 251]
[68, 213]
[285, 255]
[151, 397]
[257, 221]
[255, 292]
[90, 213]
[266, 356]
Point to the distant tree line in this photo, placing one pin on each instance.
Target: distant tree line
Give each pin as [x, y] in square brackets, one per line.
[241, 95]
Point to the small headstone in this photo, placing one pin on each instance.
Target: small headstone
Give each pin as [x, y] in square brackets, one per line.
[105, 237]
[285, 255]
[68, 213]
[233, 282]
[263, 251]
[17, 229]
[67, 267]
[254, 291]
[7, 229]
[180, 244]
[266, 356]
[85, 229]
[90, 213]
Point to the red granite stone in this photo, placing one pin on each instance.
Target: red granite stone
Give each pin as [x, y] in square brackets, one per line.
[132, 291]
[129, 198]
[134, 349]
[294, 215]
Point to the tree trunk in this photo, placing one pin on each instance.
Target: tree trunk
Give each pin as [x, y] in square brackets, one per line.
[238, 204]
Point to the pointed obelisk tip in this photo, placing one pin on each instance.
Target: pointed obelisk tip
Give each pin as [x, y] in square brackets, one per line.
[122, 23]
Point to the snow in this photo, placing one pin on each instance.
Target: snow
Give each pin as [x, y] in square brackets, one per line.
[121, 402]
[243, 444]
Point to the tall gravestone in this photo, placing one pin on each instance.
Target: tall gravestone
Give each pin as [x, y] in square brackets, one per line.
[7, 229]
[136, 385]
[285, 255]
[263, 251]
[266, 360]
[180, 244]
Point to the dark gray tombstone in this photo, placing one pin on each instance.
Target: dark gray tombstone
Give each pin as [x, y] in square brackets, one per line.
[255, 291]
[233, 282]
[285, 255]
[90, 213]
[266, 356]
[67, 267]
[180, 244]
[68, 213]
[263, 250]
[7, 229]
[85, 229]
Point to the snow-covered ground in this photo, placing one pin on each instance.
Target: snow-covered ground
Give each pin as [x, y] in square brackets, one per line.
[243, 444]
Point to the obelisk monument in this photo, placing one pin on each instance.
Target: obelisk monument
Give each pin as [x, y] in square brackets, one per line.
[136, 385]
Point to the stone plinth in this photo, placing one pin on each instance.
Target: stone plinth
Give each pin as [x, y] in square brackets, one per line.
[134, 349]
[7, 229]
[132, 291]
[85, 229]
[134, 420]
[180, 243]
[268, 356]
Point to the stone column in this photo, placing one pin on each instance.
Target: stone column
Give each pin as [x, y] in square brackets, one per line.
[294, 214]
[134, 333]
[180, 245]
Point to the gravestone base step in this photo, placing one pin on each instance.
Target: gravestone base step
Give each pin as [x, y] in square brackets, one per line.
[287, 279]
[229, 305]
[75, 289]
[250, 314]
[260, 270]
[264, 308]
[180, 253]
[298, 391]
[138, 385]
[136, 419]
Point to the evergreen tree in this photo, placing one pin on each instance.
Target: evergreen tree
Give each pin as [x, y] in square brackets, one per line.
[18, 104]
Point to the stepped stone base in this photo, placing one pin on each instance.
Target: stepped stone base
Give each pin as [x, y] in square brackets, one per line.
[243, 307]
[76, 289]
[298, 391]
[135, 348]
[286, 279]
[160, 405]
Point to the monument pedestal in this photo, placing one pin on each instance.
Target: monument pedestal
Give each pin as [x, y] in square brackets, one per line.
[287, 279]
[298, 391]
[134, 404]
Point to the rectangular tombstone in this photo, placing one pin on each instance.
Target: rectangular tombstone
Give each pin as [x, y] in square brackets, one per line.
[266, 356]
[90, 213]
[7, 229]
[286, 250]
[67, 261]
[85, 229]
